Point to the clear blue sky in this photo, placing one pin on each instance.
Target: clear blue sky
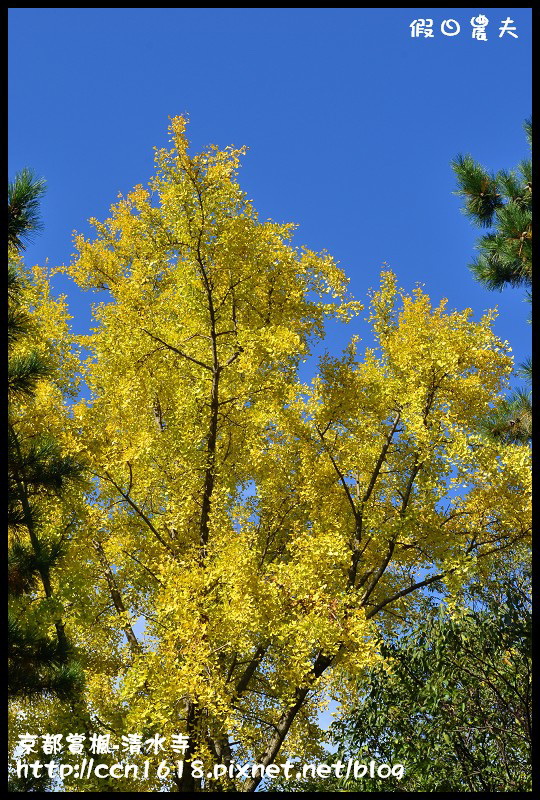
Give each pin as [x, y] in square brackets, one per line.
[350, 122]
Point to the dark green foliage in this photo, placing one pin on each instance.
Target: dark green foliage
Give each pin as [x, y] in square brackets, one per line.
[29, 783]
[25, 371]
[24, 195]
[41, 665]
[512, 421]
[525, 370]
[455, 708]
[18, 320]
[40, 662]
[40, 465]
[502, 202]
[480, 190]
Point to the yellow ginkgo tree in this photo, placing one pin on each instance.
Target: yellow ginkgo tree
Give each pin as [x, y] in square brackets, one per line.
[247, 533]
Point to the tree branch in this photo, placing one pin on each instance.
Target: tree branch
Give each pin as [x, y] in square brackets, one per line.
[176, 350]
